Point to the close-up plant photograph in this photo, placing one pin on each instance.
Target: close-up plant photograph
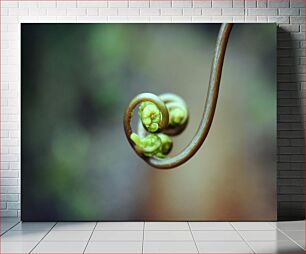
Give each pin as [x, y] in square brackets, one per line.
[148, 126]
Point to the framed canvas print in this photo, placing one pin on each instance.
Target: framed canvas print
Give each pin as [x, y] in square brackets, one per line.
[78, 81]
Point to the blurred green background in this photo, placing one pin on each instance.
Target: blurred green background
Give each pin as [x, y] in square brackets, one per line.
[77, 80]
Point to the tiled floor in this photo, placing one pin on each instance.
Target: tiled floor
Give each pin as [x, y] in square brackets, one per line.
[152, 237]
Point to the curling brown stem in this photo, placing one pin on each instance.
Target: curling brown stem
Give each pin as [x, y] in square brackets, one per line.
[208, 115]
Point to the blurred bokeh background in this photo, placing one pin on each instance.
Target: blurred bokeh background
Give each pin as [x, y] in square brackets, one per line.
[77, 80]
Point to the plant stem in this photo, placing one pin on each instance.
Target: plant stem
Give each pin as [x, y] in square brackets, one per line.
[208, 115]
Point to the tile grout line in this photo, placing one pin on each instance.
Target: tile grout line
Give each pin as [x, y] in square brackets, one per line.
[290, 238]
[14, 225]
[273, 225]
[90, 236]
[143, 232]
[193, 237]
[247, 243]
[42, 238]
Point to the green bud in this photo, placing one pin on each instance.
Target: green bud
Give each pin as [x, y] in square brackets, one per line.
[148, 145]
[150, 116]
[176, 116]
[166, 145]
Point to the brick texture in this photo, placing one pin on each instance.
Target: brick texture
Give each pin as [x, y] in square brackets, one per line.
[289, 14]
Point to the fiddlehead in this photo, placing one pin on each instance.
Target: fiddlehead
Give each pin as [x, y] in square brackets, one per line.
[150, 116]
[167, 115]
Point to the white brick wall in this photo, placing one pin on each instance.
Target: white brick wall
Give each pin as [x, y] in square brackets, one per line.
[290, 14]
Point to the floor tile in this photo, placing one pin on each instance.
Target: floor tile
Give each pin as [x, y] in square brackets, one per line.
[5, 226]
[169, 247]
[114, 247]
[211, 226]
[23, 236]
[168, 236]
[166, 226]
[9, 220]
[123, 236]
[9, 224]
[263, 235]
[120, 226]
[63, 226]
[3, 230]
[60, 247]
[223, 247]
[291, 225]
[276, 247]
[273, 224]
[69, 236]
[252, 226]
[295, 234]
[216, 236]
[301, 243]
[33, 226]
[17, 247]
